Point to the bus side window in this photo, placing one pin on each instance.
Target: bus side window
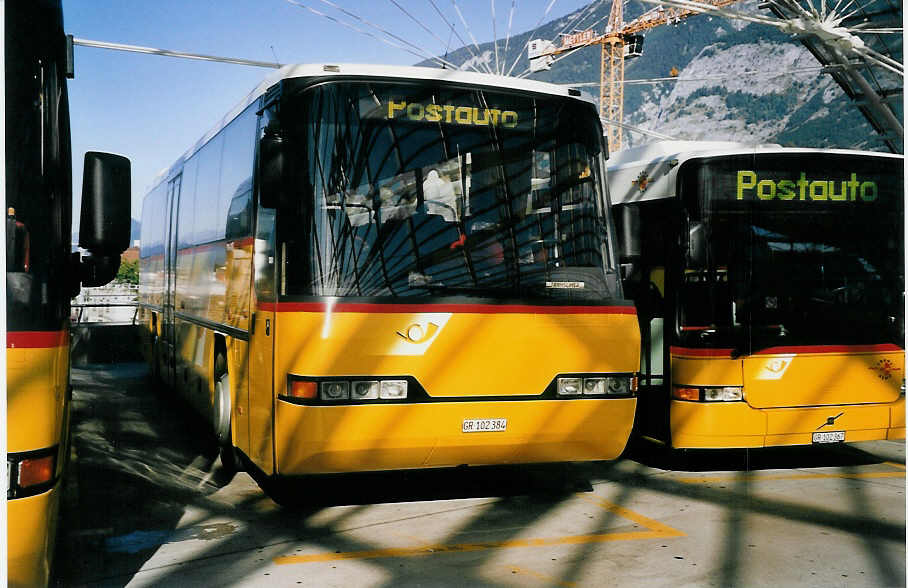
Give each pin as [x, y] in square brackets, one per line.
[18, 248]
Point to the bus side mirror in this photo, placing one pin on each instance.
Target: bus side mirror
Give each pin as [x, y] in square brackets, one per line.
[274, 171]
[104, 222]
[629, 239]
[696, 246]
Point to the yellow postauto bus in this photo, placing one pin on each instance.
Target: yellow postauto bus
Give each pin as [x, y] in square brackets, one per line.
[42, 274]
[769, 283]
[378, 268]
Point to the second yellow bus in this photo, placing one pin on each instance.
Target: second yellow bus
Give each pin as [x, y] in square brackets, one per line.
[770, 287]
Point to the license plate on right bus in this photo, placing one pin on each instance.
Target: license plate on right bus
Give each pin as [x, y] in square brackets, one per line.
[829, 436]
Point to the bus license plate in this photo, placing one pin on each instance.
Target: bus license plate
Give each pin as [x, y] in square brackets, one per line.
[829, 436]
[484, 425]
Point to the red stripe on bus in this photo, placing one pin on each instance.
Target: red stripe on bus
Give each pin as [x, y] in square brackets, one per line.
[441, 307]
[36, 339]
[694, 352]
[883, 347]
[830, 349]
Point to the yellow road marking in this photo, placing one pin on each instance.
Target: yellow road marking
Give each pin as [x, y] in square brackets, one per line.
[547, 579]
[654, 530]
[758, 478]
[894, 464]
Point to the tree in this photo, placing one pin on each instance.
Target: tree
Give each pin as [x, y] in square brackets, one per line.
[128, 272]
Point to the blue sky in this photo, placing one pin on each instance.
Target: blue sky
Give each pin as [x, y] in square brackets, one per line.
[151, 108]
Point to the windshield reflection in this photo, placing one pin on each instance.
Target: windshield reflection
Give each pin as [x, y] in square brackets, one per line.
[798, 275]
[406, 207]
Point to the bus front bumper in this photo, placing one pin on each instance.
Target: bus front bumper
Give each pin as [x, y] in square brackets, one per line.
[334, 439]
[31, 531]
[696, 425]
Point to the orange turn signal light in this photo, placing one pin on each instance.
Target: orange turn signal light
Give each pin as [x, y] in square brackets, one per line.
[34, 471]
[303, 389]
[685, 393]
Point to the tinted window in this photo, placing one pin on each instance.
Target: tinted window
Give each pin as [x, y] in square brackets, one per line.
[420, 190]
[235, 203]
[187, 211]
[802, 250]
[153, 211]
[207, 193]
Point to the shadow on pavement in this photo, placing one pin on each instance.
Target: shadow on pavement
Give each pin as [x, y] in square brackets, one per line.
[769, 458]
[138, 458]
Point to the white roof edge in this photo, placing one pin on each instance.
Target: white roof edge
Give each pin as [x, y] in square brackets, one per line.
[685, 150]
[359, 70]
[655, 166]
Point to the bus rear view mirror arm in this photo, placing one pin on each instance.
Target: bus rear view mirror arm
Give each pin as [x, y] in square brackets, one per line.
[104, 221]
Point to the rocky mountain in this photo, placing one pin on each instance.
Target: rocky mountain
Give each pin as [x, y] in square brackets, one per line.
[736, 81]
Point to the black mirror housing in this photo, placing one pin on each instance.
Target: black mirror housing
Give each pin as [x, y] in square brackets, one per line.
[629, 245]
[273, 171]
[105, 218]
[104, 222]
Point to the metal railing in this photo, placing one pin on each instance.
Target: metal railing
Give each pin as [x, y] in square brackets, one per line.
[106, 305]
[78, 312]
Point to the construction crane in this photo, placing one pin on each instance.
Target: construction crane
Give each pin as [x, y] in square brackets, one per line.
[620, 41]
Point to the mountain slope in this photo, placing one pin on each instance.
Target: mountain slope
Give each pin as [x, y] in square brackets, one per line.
[731, 83]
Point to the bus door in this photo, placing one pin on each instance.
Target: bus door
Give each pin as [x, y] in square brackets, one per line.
[647, 287]
[168, 330]
[260, 448]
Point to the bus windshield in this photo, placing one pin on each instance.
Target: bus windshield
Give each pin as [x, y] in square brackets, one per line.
[425, 190]
[801, 250]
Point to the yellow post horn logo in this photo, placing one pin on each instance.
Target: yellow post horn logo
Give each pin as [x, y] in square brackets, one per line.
[416, 333]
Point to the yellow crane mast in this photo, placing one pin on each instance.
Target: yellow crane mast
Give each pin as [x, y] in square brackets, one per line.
[620, 41]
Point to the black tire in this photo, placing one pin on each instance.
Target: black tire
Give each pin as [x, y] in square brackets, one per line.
[221, 420]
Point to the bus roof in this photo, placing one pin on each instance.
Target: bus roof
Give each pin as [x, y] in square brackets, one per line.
[649, 172]
[328, 72]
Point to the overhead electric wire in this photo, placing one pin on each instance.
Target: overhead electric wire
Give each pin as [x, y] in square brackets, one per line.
[567, 53]
[454, 31]
[579, 17]
[530, 36]
[886, 31]
[495, 36]
[388, 33]
[420, 23]
[628, 127]
[788, 26]
[678, 79]
[508, 38]
[422, 54]
[170, 53]
[467, 28]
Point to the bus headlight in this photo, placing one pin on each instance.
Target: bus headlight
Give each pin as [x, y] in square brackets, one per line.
[393, 389]
[335, 390]
[364, 390]
[708, 393]
[579, 385]
[724, 394]
[569, 386]
[594, 386]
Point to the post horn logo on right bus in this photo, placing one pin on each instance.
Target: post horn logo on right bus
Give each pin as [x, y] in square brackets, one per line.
[884, 369]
